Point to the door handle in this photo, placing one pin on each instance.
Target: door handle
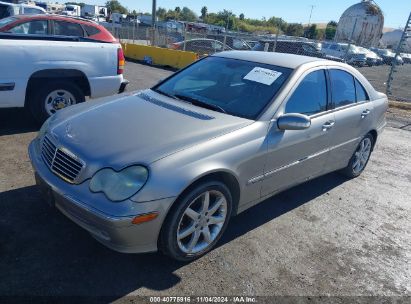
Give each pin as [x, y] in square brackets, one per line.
[328, 125]
[365, 113]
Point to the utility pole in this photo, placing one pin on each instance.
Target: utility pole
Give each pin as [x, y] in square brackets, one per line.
[153, 23]
[311, 13]
[154, 13]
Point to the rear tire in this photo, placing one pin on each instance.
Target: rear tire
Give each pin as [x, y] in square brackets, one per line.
[51, 97]
[192, 228]
[360, 158]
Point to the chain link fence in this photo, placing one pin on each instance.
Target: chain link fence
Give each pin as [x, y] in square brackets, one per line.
[387, 71]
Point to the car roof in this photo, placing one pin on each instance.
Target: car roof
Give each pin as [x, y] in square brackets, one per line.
[56, 17]
[280, 59]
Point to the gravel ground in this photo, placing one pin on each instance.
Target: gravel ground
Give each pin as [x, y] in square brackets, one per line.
[330, 236]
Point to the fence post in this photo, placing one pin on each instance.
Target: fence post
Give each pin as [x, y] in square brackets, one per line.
[185, 36]
[225, 41]
[276, 39]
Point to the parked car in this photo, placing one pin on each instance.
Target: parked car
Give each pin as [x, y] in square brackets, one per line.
[202, 47]
[166, 168]
[406, 57]
[234, 43]
[47, 73]
[288, 46]
[388, 56]
[356, 59]
[11, 9]
[372, 58]
[56, 25]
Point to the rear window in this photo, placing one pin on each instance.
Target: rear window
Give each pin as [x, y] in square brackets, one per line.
[91, 30]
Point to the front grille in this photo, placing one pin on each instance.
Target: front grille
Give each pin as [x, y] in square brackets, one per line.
[60, 162]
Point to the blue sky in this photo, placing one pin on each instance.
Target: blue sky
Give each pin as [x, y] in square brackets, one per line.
[395, 11]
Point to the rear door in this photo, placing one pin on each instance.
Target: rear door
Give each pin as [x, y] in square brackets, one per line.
[294, 156]
[353, 116]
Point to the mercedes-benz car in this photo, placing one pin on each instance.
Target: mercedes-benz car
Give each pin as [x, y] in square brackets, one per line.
[167, 167]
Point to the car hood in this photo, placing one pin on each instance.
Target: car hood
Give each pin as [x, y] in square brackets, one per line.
[137, 129]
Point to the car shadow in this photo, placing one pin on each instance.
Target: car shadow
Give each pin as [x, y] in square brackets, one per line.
[17, 121]
[44, 253]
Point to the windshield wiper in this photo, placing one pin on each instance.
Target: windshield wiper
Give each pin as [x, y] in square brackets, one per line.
[164, 93]
[200, 103]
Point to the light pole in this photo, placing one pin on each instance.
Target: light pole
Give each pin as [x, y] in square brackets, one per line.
[311, 13]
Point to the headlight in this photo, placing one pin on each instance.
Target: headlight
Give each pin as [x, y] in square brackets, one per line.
[44, 128]
[119, 186]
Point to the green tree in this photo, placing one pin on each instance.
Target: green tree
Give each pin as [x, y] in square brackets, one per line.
[330, 30]
[241, 17]
[188, 15]
[177, 10]
[204, 11]
[294, 29]
[114, 6]
[161, 13]
[311, 31]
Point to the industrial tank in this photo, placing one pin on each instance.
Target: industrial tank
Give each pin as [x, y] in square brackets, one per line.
[362, 24]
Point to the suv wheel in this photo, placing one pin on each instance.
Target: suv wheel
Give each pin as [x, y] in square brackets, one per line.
[54, 96]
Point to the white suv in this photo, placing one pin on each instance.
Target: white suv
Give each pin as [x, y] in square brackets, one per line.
[10, 9]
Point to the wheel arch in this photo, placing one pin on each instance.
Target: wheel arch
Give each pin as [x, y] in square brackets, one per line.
[72, 75]
[221, 175]
[374, 135]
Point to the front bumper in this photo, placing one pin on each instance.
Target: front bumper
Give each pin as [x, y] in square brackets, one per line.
[115, 231]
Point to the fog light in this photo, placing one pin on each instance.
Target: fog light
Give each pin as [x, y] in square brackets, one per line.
[144, 218]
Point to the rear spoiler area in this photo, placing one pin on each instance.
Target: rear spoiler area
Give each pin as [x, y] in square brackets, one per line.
[10, 36]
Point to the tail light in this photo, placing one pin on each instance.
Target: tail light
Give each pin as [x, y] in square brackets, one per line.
[121, 61]
[174, 46]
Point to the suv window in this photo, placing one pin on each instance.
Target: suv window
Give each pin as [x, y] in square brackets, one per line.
[310, 97]
[32, 11]
[361, 93]
[342, 88]
[68, 29]
[34, 27]
[4, 12]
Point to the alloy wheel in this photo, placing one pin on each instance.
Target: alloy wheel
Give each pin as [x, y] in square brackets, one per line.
[202, 222]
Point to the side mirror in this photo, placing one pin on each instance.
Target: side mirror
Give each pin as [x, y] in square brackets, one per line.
[293, 121]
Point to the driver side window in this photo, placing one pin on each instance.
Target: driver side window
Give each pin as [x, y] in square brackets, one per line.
[310, 97]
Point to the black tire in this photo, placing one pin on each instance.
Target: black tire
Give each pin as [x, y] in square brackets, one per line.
[37, 97]
[168, 237]
[349, 170]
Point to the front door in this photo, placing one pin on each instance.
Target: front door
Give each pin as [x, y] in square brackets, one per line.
[294, 156]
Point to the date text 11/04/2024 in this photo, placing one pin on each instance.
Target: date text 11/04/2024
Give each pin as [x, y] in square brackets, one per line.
[203, 299]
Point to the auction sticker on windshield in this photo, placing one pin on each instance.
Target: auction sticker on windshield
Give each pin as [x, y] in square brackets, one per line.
[261, 75]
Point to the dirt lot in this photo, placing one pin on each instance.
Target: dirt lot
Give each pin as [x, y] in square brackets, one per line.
[330, 236]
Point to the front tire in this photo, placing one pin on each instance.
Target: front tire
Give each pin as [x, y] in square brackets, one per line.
[360, 158]
[196, 222]
[53, 96]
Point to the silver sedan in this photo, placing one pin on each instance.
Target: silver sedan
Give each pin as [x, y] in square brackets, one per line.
[166, 168]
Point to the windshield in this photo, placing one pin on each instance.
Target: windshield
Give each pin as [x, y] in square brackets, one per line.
[6, 21]
[236, 87]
